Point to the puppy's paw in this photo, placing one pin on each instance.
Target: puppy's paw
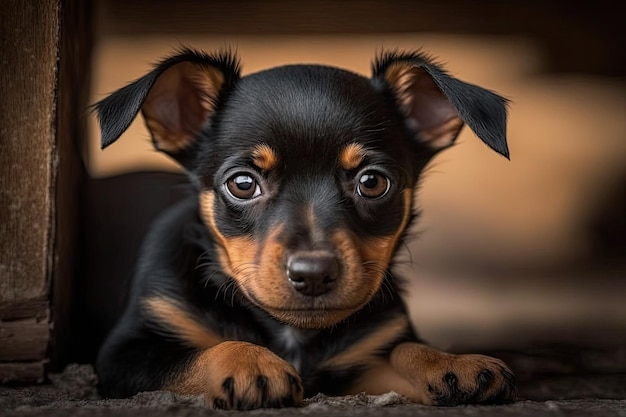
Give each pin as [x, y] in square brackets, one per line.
[242, 376]
[471, 379]
[448, 380]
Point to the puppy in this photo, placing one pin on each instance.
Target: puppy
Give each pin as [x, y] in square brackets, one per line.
[273, 282]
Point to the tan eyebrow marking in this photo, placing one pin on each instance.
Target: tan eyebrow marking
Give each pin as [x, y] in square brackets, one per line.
[351, 156]
[264, 157]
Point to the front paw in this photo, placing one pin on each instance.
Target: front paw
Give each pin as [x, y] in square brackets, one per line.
[446, 379]
[472, 379]
[242, 376]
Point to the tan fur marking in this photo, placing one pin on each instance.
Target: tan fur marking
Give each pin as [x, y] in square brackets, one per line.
[381, 249]
[426, 367]
[365, 350]
[181, 322]
[264, 157]
[260, 274]
[259, 270]
[243, 362]
[351, 156]
[381, 378]
[234, 253]
[276, 295]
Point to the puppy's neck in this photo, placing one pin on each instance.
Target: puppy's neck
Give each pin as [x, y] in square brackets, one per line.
[292, 340]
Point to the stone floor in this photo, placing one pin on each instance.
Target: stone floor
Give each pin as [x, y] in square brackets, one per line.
[72, 393]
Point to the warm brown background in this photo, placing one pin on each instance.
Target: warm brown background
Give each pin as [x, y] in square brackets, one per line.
[510, 252]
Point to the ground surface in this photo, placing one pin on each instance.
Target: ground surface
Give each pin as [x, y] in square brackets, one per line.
[72, 393]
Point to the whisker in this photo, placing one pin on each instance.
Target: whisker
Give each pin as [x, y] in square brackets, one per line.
[223, 286]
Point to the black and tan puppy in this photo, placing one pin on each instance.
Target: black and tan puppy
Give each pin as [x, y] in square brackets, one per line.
[273, 282]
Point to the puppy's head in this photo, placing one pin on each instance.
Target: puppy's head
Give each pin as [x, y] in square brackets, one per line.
[305, 173]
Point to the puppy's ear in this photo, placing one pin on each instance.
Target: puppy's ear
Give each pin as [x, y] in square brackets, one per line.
[177, 99]
[436, 105]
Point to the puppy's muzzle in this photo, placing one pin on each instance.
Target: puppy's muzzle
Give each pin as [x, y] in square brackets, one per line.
[312, 273]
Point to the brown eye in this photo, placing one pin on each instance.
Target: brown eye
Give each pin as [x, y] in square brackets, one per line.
[243, 187]
[372, 185]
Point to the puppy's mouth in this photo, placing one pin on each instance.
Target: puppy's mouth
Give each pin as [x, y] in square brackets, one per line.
[317, 314]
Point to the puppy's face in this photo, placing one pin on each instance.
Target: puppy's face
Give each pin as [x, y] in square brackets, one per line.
[307, 189]
[306, 173]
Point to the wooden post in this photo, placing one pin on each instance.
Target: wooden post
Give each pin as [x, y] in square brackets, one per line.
[39, 172]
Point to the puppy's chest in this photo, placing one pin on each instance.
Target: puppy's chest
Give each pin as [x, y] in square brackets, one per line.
[294, 345]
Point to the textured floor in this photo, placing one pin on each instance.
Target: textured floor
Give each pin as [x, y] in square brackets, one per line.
[72, 393]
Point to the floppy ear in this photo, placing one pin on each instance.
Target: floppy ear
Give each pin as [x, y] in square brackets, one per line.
[436, 105]
[177, 99]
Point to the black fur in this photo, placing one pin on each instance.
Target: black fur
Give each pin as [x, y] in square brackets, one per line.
[306, 114]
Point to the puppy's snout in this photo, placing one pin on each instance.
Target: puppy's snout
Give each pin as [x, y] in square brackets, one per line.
[312, 273]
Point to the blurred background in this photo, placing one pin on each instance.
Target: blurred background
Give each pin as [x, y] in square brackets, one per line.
[522, 254]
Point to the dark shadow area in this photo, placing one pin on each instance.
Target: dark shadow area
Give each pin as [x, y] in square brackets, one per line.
[606, 226]
[118, 212]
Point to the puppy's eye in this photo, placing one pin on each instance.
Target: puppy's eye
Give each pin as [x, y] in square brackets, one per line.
[243, 187]
[372, 185]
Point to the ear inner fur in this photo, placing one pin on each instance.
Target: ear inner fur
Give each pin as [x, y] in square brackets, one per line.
[444, 135]
[427, 109]
[180, 103]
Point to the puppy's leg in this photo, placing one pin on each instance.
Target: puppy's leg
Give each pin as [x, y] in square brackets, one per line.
[231, 375]
[240, 375]
[161, 345]
[442, 378]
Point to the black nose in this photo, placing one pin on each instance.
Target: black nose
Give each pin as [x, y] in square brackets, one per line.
[312, 273]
